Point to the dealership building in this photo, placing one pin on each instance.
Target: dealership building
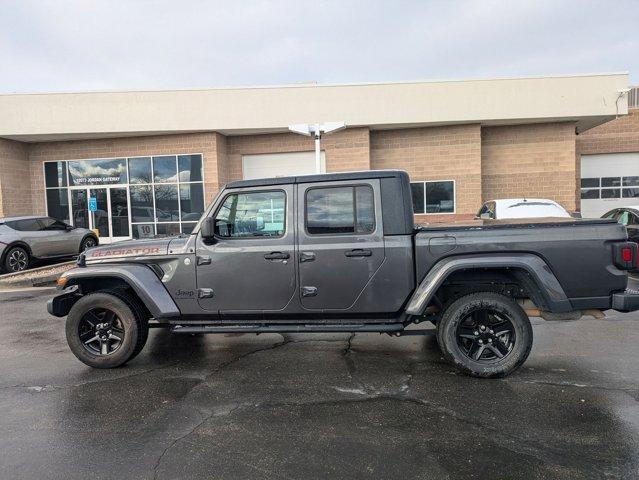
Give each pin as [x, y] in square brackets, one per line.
[141, 163]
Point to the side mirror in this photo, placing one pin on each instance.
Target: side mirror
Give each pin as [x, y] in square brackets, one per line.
[207, 229]
[68, 228]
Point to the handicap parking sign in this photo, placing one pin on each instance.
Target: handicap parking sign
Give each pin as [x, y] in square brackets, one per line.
[93, 204]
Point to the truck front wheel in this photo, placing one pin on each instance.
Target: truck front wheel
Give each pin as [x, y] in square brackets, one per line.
[485, 334]
[105, 331]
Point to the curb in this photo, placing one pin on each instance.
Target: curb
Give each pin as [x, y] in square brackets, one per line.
[30, 278]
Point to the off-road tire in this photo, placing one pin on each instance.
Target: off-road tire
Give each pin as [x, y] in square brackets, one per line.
[135, 328]
[459, 309]
[9, 259]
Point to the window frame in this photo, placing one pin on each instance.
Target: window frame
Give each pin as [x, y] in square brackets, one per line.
[221, 203]
[353, 186]
[425, 197]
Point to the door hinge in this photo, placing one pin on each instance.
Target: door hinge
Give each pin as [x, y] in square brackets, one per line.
[309, 291]
[203, 260]
[204, 293]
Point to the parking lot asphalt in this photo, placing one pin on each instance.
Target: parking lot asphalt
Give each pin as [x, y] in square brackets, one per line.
[323, 406]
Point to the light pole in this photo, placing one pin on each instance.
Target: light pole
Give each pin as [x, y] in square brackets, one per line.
[316, 130]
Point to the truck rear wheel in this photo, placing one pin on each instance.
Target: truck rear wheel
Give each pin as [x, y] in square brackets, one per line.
[485, 334]
[105, 331]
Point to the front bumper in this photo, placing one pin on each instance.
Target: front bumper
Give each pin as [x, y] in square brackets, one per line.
[60, 305]
[627, 301]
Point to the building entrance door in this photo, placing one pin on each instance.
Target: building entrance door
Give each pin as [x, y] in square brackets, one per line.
[103, 209]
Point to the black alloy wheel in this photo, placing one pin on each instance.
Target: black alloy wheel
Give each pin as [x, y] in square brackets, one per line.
[101, 331]
[485, 335]
[106, 329]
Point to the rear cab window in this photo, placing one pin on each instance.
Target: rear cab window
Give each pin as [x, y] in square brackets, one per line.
[340, 210]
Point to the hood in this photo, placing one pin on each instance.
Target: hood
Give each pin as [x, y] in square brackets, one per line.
[130, 248]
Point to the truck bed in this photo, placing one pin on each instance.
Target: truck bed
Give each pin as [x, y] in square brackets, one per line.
[578, 251]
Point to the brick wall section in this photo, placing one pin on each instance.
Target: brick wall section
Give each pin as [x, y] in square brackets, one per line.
[617, 136]
[204, 143]
[436, 153]
[15, 197]
[537, 160]
[346, 150]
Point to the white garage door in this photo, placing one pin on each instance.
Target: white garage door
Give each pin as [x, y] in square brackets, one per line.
[608, 181]
[271, 165]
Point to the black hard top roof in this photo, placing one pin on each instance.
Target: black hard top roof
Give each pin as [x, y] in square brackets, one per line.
[323, 177]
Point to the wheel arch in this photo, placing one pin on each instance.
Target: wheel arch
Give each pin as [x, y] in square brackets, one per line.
[530, 272]
[139, 280]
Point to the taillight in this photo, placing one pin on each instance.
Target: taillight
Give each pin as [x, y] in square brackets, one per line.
[625, 255]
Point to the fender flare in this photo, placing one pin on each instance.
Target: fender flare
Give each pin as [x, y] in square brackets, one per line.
[140, 278]
[536, 267]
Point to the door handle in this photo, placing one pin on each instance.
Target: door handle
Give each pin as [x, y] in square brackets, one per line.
[307, 257]
[358, 252]
[309, 291]
[277, 256]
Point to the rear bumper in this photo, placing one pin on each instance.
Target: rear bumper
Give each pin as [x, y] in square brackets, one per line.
[627, 301]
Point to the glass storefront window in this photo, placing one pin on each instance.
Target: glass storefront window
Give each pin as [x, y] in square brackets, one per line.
[188, 227]
[191, 201]
[190, 168]
[140, 170]
[168, 229]
[55, 174]
[97, 172]
[141, 203]
[166, 203]
[164, 169]
[58, 204]
[145, 192]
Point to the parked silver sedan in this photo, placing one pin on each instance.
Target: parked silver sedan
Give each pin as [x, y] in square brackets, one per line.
[24, 239]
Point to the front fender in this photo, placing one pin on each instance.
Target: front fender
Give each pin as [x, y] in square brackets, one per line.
[140, 278]
[549, 286]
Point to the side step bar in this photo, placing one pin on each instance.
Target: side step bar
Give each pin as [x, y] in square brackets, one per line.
[212, 328]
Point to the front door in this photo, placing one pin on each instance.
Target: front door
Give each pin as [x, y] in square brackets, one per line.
[250, 267]
[104, 209]
[341, 245]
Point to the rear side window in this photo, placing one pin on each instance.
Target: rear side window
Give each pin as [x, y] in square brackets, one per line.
[28, 225]
[340, 210]
[49, 223]
[252, 214]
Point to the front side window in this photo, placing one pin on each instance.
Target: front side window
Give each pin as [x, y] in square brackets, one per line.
[433, 197]
[252, 214]
[340, 210]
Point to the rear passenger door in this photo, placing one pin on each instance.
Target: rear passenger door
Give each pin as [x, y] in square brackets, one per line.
[341, 242]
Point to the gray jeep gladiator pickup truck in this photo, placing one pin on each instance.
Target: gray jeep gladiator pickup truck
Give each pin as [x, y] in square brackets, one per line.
[340, 253]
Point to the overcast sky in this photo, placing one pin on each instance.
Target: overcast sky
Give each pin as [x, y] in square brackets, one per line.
[113, 45]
